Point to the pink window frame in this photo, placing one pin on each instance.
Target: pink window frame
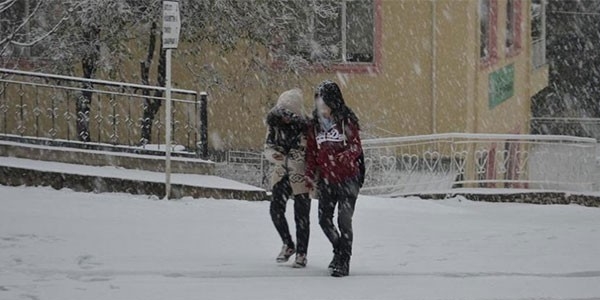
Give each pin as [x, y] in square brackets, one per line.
[492, 57]
[515, 49]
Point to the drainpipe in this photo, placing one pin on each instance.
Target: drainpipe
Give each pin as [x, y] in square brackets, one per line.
[433, 69]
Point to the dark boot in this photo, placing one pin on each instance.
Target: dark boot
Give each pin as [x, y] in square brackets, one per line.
[342, 268]
[334, 261]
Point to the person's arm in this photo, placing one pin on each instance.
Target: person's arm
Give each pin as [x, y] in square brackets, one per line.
[311, 152]
[270, 149]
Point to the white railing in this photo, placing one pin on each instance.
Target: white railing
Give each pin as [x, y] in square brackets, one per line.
[440, 162]
[246, 166]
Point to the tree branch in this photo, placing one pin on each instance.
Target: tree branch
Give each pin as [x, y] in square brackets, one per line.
[6, 5]
[39, 39]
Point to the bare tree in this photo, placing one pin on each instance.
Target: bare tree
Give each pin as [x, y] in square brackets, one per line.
[94, 36]
[24, 24]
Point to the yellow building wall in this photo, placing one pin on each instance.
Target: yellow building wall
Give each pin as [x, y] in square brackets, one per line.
[512, 115]
[456, 64]
[402, 100]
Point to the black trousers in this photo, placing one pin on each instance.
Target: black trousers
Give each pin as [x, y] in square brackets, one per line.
[282, 191]
[344, 196]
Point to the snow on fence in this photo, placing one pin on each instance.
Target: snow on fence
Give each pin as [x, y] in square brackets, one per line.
[64, 108]
[246, 166]
[439, 162]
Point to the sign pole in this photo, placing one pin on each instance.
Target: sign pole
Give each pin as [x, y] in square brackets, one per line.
[170, 39]
[168, 122]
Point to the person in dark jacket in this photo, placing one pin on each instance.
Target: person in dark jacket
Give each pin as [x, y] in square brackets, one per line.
[332, 162]
[285, 147]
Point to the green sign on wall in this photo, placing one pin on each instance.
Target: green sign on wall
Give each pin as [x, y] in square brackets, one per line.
[502, 85]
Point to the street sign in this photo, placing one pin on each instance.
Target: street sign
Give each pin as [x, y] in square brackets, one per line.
[171, 24]
[501, 85]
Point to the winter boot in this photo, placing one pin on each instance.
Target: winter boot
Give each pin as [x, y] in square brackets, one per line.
[285, 254]
[342, 268]
[334, 261]
[300, 261]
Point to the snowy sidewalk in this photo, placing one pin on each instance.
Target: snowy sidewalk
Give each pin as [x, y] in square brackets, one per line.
[68, 245]
[124, 177]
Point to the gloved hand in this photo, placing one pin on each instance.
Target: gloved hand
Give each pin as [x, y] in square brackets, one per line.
[343, 158]
[309, 183]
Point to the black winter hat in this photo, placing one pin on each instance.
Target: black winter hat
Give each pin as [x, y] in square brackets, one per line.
[331, 94]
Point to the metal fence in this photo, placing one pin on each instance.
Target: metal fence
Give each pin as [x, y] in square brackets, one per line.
[246, 166]
[434, 163]
[48, 107]
[441, 162]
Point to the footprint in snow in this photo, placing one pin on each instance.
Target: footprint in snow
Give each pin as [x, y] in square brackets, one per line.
[86, 262]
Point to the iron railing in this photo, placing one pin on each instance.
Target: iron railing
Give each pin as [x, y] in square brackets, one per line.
[440, 162]
[246, 166]
[47, 108]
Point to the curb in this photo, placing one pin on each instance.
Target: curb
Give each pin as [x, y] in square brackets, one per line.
[12, 176]
[533, 197]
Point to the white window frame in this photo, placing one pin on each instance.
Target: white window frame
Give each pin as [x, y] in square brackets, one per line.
[538, 46]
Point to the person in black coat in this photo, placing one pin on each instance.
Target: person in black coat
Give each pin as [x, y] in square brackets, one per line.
[285, 147]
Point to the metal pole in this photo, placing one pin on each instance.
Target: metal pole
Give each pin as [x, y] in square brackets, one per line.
[168, 128]
[433, 68]
[204, 124]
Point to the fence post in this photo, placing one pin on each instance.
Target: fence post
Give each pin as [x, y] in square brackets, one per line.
[204, 125]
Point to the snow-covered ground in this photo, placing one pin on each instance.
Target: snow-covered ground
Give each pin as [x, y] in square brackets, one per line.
[67, 245]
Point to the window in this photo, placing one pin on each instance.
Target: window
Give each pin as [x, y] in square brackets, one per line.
[513, 27]
[338, 32]
[487, 31]
[538, 33]
[359, 31]
[537, 20]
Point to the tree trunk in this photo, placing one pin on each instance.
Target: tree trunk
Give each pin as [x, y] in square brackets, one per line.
[88, 63]
[151, 106]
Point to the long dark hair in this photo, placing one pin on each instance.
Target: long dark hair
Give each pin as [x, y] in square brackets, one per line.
[331, 94]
